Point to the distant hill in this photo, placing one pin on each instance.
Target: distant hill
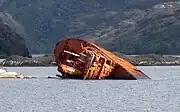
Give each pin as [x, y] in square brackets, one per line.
[127, 26]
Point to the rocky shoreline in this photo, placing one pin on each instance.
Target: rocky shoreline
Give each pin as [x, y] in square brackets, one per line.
[155, 60]
[19, 61]
[48, 60]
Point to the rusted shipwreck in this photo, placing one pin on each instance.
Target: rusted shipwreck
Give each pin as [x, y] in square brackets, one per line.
[79, 59]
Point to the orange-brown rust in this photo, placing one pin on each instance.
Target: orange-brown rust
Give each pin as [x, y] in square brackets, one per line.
[80, 59]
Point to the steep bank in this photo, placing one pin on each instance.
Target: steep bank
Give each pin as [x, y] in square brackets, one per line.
[11, 42]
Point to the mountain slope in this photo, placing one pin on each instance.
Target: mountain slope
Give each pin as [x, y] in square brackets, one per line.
[122, 25]
[155, 31]
[11, 42]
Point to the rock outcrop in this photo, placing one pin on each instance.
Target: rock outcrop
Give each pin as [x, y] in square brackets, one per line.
[11, 42]
[25, 61]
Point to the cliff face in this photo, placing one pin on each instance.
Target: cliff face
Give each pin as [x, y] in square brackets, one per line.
[11, 43]
[128, 26]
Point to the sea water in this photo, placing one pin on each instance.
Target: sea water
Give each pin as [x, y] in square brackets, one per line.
[160, 94]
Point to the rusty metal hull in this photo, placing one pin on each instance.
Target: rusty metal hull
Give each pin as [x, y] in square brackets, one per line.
[92, 62]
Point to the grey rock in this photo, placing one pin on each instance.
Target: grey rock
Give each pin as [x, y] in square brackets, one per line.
[11, 42]
[25, 61]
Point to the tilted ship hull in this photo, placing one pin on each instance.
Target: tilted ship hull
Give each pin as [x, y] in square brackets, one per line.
[79, 59]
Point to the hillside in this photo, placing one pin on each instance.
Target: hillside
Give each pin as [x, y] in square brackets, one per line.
[153, 31]
[127, 26]
[11, 42]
